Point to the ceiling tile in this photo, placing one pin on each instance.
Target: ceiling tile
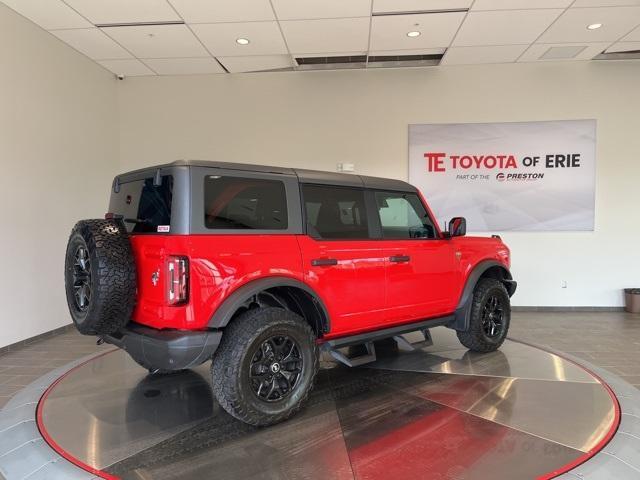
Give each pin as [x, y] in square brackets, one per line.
[184, 66]
[424, 51]
[124, 11]
[93, 43]
[536, 52]
[437, 30]
[129, 68]
[306, 9]
[158, 41]
[49, 14]
[213, 11]
[418, 5]
[605, 3]
[477, 55]
[572, 25]
[256, 63]
[634, 36]
[220, 38]
[624, 47]
[504, 27]
[333, 35]
[519, 4]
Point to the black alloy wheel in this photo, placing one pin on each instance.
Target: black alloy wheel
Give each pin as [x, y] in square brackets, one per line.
[492, 316]
[81, 278]
[489, 317]
[275, 368]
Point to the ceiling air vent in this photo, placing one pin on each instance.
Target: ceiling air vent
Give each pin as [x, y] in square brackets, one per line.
[331, 63]
[627, 55]
[419, 12]
[390, 61]
[563, 53]
[139, 24]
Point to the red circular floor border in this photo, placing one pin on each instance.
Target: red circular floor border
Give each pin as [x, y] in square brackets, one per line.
[609, 435]
[548, 476]
[52, 443]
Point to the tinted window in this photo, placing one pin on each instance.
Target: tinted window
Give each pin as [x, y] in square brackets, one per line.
[335, 212]
[144, 206]
[244, 203]
[402, 215]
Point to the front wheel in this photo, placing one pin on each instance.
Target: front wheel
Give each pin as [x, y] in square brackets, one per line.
[265, 366]
[490, 317]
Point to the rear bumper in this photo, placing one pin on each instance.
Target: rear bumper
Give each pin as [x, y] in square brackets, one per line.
[166, 349]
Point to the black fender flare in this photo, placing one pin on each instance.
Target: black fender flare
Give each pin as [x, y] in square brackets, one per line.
[223, 314]
[461, 315]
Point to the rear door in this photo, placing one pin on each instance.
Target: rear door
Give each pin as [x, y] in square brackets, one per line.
[341, 260]
[420, 264]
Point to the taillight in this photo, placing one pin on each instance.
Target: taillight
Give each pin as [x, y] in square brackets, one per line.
[177, 280]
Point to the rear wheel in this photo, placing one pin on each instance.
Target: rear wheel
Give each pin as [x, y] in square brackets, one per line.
[265, 366]
[490, 317]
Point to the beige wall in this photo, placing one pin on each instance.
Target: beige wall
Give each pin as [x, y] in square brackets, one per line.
[66, 127]
[58, 151]
[317, 119]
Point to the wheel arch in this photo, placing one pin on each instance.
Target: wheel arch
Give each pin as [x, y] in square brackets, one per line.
[283, 292]
[484, 269]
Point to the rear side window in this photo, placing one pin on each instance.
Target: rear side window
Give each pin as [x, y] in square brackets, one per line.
[335, 212]
[145, 207]
[403, 216]
[244, 203]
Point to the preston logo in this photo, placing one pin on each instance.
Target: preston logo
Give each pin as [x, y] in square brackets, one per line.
[500, 177]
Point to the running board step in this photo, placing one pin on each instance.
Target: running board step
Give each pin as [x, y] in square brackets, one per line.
[368, 357]
[406, 345]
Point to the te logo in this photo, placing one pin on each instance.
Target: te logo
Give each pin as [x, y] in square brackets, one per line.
[500, 177]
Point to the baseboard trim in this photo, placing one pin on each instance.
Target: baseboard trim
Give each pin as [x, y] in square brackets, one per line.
[35, 339]
[567, 309]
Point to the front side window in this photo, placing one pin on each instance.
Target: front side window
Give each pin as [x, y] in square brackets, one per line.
[335, 212]
[402, 216]
[244, 203]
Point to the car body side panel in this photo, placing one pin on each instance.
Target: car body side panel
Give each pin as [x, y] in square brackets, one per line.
[353, 291]
[218, 265]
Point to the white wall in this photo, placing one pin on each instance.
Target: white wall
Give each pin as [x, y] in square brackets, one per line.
[317, 119]
[58, 152]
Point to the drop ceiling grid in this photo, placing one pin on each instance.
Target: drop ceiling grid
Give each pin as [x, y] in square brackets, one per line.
[294, 22]
[571, 6]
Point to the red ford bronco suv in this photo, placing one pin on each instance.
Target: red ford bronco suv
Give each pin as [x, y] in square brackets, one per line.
[260, 269]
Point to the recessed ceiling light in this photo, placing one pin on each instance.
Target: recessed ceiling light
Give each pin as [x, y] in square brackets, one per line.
[414, 33]
[594, 26]
[242, 41]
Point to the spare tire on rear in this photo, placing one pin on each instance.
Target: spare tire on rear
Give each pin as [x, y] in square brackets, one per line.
[100, 276]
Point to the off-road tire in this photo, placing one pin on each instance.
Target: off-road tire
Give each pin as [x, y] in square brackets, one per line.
[111, 276]
[231, 365]
[475, 338]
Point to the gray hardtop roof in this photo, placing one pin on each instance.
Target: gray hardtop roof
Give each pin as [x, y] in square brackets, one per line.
[304, 176]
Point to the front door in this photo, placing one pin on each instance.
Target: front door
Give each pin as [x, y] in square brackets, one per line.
[341, 261]
[420, 264]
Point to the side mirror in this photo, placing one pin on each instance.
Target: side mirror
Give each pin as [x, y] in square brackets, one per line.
[457, 227]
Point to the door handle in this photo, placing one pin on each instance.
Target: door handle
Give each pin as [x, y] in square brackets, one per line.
[400, 258]
[324, 262]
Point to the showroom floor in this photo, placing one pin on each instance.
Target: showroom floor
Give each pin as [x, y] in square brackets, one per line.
[610, 340]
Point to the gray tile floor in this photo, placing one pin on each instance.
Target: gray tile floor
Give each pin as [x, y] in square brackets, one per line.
[610, 340]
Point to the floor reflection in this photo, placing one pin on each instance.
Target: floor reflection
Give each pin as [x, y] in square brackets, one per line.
[516, 413]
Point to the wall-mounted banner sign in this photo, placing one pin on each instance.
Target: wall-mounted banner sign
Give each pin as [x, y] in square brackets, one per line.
[528, 176]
